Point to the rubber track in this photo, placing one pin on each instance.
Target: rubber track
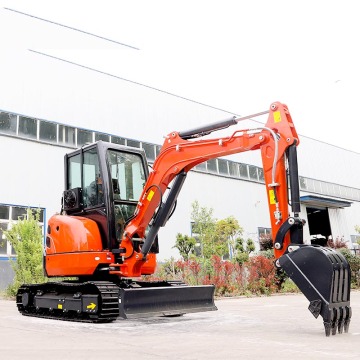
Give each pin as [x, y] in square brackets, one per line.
[108, 299]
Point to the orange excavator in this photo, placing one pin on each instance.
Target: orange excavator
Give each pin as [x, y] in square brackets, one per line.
[106, 236]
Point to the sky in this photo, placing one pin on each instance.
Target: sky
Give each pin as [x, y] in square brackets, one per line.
[238, 56]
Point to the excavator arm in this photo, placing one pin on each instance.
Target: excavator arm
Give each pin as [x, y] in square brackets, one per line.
[180, 153]
[322, 274]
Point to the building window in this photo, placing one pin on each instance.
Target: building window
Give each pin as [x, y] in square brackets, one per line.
[28, 127]
[253, 172]
[223, 167]
[243, 168]
[310, 185]
[330, 189]
[47, 131]
[10, 214]
[201, 167]
[103, 137]
[8, 123]
[157, 149]
[355, 239]
[133, 143]
[211, 166]
[117, 140]
[149, 151]
[18, 212]
[234, 169]
[317, 186]
[302, 183]
[261, 174]
[84, 137]
[336, 190]
[3, 243]
[67, 135]
[4, 212]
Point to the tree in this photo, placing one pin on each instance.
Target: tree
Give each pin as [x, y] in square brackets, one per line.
[226, 231]
[250, 246]
[26, 238]
[242, 252]
[217, 237]
[185, 244]
[203, 227]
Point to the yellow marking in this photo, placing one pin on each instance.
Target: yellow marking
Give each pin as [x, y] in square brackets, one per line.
[91, 306]
[150, 195]
[277, 116]
[60, 306]
[272, 197]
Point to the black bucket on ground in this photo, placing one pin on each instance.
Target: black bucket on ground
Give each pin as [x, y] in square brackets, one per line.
[323, 275]
[173, 300]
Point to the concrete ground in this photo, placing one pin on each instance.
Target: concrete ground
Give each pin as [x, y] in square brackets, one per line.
[276, 327]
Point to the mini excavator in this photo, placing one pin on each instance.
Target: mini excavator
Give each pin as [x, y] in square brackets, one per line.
[106, 236]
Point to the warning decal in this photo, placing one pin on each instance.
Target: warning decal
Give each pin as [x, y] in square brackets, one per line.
[272, 197]
[150, 195]
[91, 306]
[277, 116]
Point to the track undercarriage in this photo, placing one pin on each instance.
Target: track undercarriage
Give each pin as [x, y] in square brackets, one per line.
[105, 301]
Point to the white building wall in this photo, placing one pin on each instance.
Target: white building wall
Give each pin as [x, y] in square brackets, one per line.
[32, 174]
[339, 227]
[322, 161]
[45, 88]
[350, 217]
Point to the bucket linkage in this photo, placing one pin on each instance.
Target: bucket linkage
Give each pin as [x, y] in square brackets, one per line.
[323, 275]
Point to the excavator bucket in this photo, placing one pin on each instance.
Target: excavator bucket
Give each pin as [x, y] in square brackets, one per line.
[323, 275]
[173, 299]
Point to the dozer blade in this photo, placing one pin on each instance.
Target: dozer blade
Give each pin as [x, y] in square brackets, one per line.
[323, 275]
[173, 300]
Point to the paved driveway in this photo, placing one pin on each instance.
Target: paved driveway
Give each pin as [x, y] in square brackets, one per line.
[276, 327]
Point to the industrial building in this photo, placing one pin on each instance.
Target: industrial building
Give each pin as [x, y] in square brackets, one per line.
[49, 106]
[36, 131]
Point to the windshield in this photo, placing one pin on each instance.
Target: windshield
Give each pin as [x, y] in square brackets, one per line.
[127, 175]
[127, 179]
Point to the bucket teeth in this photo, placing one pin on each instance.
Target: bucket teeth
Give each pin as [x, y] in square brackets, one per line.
[347, 318]
[323, 275]
[341, 321]
[338, 319]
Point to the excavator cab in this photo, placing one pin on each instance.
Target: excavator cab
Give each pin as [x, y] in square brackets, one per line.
[107, 181]
[103, 183]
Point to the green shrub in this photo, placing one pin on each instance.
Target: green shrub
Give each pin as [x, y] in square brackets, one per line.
[26, 238]
[354, 262]
[288, 286]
